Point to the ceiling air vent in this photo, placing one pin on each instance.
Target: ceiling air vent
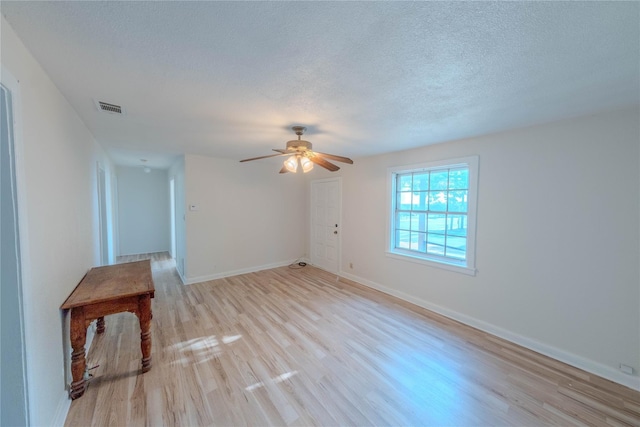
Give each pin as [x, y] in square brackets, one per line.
[109, 108]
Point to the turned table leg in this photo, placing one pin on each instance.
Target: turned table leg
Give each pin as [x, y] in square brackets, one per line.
[78, 362]
[144, 315]
[100, 325]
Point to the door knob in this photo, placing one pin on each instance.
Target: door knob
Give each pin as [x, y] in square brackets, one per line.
[335, 232]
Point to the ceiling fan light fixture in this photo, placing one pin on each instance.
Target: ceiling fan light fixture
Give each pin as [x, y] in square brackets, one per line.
[306, 164]
[291, 164]
[300, 154]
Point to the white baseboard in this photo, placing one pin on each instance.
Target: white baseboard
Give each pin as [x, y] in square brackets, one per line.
[145, 253]
[604, 371]
[62, 410]
[182, 279]
[199, 279]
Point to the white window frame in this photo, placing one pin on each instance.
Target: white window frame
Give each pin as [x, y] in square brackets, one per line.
[468, 265]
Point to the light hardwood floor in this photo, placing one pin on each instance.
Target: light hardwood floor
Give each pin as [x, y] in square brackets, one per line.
[299, 347]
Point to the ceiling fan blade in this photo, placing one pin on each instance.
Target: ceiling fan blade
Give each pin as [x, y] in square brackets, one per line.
[282, 151]
[264, 157]
[284, 170]
[325, 164]
[334, 157]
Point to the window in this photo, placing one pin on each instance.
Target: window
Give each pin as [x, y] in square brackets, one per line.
[432, 217]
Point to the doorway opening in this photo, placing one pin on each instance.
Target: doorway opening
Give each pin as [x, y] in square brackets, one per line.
[102, 208]
[172, 209]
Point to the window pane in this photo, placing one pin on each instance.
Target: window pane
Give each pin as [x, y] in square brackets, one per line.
[419, 222]
[418, 241]
[403, 239]
[439, 180]
[457, 201]
[421, 181]
[419, 201]
[437, 201]
[404, 182]
[431, 212]
[435, 244]
[457, 225]
[435, 223]
[456, 247]
[403, 221]
[458, 179]
[403, 202]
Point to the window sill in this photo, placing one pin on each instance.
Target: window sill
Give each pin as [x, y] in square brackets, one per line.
[432, 263]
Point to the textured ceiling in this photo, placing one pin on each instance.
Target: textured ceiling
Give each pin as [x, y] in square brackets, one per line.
[228, 79]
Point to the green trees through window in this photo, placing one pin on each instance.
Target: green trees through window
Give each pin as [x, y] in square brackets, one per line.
[430, 208]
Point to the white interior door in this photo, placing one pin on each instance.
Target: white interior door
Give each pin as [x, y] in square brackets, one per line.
[326, 202]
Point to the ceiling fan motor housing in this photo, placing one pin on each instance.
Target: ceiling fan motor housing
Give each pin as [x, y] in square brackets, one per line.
[298, 145]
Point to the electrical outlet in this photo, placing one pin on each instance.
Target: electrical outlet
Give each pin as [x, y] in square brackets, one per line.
[626, 369]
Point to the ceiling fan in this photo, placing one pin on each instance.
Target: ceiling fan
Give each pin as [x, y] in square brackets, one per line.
[299, 154]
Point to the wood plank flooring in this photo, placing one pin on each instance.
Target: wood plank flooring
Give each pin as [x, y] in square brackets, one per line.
[299, 347]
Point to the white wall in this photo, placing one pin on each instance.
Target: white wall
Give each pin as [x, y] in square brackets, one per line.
[248, 217]
[58, 209]
[557, 242]
[143, 211]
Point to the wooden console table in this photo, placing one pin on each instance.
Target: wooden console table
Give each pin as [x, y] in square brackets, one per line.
[103, 291]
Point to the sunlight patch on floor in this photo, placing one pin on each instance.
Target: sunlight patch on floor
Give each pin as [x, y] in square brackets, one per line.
[229, 339]
[275, 380]
[202, 349]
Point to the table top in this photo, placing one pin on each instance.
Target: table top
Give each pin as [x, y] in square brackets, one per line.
[112, 282]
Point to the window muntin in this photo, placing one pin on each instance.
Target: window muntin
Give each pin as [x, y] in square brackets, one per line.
[433, 212]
